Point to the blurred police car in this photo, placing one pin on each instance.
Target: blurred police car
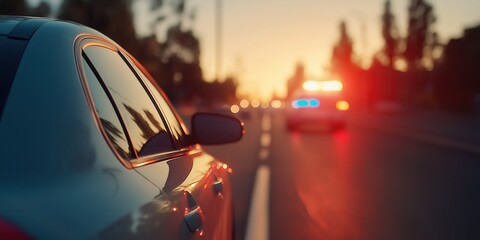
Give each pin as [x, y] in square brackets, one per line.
[317, 102]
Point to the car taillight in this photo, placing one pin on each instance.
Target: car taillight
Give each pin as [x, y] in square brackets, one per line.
[9, 231]
[342, 105]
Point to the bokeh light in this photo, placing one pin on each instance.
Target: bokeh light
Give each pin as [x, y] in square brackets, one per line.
[342, 105]
[255, 103]
[265, 104]
[276, 104]
[234, 108]
[244, 103]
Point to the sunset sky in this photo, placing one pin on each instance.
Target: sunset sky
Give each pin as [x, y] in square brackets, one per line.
[263, 40]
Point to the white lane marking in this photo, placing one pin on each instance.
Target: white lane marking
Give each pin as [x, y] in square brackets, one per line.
[258, 222]
[265, 140]
[263, 154]
[266, 123]
[258, 215]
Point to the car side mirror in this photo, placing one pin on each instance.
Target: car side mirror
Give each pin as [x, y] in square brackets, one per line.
[212, 128]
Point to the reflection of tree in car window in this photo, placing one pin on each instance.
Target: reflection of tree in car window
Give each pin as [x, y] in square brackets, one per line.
[152, 119]
[114, 134]
[147, 131]
[156, 141]
[106, 113]
[178, 130]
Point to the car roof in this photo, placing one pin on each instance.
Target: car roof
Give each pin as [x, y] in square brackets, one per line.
[18, 32]
[20, 27]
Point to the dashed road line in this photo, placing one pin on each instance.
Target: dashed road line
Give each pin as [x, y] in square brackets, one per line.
[263, 154]
[266, 122]
[265, 140]
[258, 222]
[258, 215]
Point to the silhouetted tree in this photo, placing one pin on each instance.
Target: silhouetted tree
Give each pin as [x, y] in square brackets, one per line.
[382, 80]
[13, 7]
[343, 66]
[20, 7]
[181, 53]
[457, 77]
[218, 92]
[229, 88]
[434, 50]
[389, 34]
[42, 10]
[111, 17]
[342, 52]
[420, 21]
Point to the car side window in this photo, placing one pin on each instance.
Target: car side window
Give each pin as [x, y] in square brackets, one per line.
[108, 118]
[178, 129]
[144, 124]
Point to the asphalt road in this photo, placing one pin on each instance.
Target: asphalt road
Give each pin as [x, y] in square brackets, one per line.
[383, 177]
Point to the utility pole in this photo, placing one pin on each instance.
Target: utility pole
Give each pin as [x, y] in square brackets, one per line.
[218, 38]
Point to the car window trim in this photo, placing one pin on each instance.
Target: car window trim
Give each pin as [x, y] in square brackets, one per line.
[150, 159]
